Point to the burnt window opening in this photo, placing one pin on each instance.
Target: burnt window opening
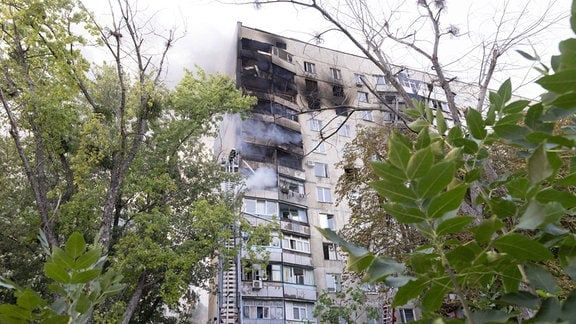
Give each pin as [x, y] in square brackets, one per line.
[283, 111]
[337, 91]
[255, 45]
[289, 160]
[281, 45]
[312, 94]
[283, 80]
[258, 153]
[342, 111]
[254, 130]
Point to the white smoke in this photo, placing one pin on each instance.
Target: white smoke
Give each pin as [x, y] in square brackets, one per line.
[261, 178]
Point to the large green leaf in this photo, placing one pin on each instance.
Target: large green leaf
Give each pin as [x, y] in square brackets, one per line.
[83, 304]
[484, 231]
[29, 299]
[358, 257]
[75, 246]
[398, 153]
[85, 276]
[409, 291]
[538, 215]
[559, 82]
[440, 175]
[56, 272]
[87, 259]
[420, 163]
[393, 191]
[383, 267]
[490, 316]
[516, 106]
[453, 225]
[566, 198]
[520, 298]
[387, 171]
[541, 278]
[522, 247]
[505, 91]
[404, 214]
[549, 311]
[447, 201]
[61, 257]
[539, 169]
[14, 312]
[475, 124]
[434, 296]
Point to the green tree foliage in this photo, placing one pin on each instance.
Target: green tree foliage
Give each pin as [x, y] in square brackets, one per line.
[79, 285]
[350, 305]
[109, 151]
[506, 265]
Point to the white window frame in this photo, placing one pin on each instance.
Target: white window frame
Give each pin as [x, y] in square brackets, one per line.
[334, 281]
[319, 146]
[402, 312]
[260, 207]
[315, 124]
[310, 67]
[296, 214]
[380, 80]
[324, 194]
[332, 251]
[306, 278]
[358, 79]
[296, 243]
[336, 73]
[321, 169]
[299, 310]
[327, 221]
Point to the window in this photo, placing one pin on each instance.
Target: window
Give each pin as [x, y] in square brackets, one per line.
[324, 194]
[253, 272]
[327, 221]
[337, 91]
[362, 96]
[330, 252]
[367, 115]
[380, 80]
[321, 170]
[315, 124]
[344, 130]
[333, 281]
[299, 276]
[312, 94]
[259, 309]
[296, 243]
[274, 272]
[260, 207]
[262, 312]
[318, 147]
[336, 74]
[299, 313]
[289, 186]
[293, 213]
[310, 67]
[358, 79]
[406, 315]
[388, 116]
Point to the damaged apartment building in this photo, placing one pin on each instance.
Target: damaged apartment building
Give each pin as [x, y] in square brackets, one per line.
[287, 151]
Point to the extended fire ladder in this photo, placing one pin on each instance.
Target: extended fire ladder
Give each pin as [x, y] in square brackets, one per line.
[229, 265]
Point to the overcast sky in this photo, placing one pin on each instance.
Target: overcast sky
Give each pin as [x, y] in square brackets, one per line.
[208, 28]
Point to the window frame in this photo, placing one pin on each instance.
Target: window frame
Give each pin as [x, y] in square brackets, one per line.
[315, 124]
[363, 96]
[336, 73]
[319, 146]
[321, 169]
[336, 280]
[367, 115]
[309, 67]
[344, 131]
[324, 194]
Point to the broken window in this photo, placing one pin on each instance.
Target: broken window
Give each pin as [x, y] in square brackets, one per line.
[336, 74]
[293, 213]
[330, 252]
[289, 160]
[312, 94]
[254, 45]
[310, 67]
[324, 194]
[321, 169]
[362, 96]
[337, 91]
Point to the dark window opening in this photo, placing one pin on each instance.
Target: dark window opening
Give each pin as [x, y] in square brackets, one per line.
[342, 111]
[281, 45]
[289, 160]
[312, 94]
[254, 45]
[258, 153]
[337, 91]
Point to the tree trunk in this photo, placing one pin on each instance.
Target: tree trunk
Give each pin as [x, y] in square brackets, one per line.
[135, 299]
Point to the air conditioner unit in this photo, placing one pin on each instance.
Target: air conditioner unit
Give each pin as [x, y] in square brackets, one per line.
[310, 163]
[256, 284]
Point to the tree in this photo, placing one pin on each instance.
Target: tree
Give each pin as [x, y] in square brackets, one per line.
[350, 305]
[110, 151]
[508, 265]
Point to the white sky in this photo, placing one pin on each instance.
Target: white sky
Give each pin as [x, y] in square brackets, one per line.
[209, 30]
